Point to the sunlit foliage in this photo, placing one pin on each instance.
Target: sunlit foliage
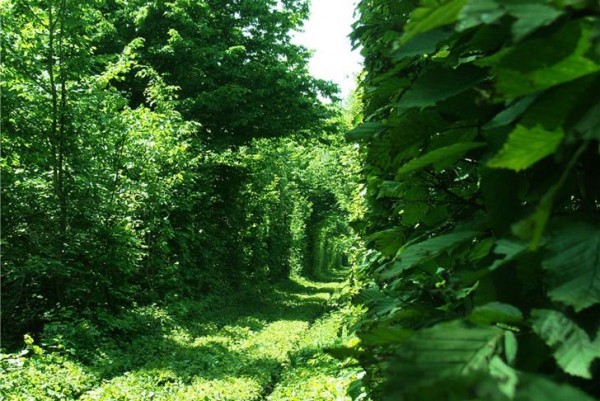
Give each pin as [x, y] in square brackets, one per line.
[481, 146]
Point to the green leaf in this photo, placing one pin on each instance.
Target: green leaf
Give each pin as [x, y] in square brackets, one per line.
[481, 250]
[388, 241]
[479, 12]
[505, 376]
[496, 312]
[542, 63]
[530, 16]
[371, 294]
[589, 124]
[420, 252]
[553, 107]
[356, 389]
[425, 19]
[510, 249]
[439, 83]
[422, 44]
[511, 113]
[450, 348]
[364, 131]
[390, 189]
[573, 264]
[413, 212]
[511, 347]
[537, 388]
[525, 147]
[438, 155]
[413, 126]
[572, 348]
[532, 227]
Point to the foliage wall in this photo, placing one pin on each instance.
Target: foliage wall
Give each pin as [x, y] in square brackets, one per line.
[132, 166]
[482, 162]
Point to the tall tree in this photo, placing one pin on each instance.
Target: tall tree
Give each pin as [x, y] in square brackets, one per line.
[239, 73]
[46, 51]
[86, 179]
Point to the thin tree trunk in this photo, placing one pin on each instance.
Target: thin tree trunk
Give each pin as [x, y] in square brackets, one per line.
[58, 93]
[62, 131]
[54, 101]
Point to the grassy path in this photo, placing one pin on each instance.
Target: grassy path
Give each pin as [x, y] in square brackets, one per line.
[268, 348]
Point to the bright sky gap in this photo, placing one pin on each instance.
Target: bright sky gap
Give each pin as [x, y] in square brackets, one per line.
[326, 33]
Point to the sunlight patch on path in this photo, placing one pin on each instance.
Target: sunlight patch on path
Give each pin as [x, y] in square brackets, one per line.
[241, 360]
[313, 375]
[267, 347]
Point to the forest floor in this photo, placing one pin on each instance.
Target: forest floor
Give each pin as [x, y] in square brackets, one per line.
[270, 347]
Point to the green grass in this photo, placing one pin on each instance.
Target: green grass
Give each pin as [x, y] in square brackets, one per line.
[313, 374]
[254, 348]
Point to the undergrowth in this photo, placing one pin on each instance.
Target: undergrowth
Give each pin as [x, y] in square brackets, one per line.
[269, 346]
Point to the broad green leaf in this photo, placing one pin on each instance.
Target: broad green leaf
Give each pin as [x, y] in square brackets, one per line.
[511, 113]
[413, 212]
[525, 147]
[496, 312]
[422, 44]
[425, 19]
[589, 124]
[420, 252]
[479, 12]
[364, 131]
[552, 108]
[538, 388]
[388, 241]
[435, 215]
[370, 295]
[573, 264]
[413, 127]
[530, 16]
[538, 64]
[383, 89]
[532, 227]
[390, 189]
[481, 250]
[385, 305]
[439, 83]
[510, 249]
[511, 347]
[438, 155]
[506, 376]
[572, 348]
[450, 348]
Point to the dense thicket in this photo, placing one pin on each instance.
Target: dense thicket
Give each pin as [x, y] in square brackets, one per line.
[482, 162]
[132, 169]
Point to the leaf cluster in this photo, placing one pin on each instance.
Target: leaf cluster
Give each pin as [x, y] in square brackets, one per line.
[481, 146]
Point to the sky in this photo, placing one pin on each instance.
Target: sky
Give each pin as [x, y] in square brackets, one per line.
[326, 32]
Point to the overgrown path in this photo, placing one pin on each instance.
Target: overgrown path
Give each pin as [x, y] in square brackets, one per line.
[267, 348]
